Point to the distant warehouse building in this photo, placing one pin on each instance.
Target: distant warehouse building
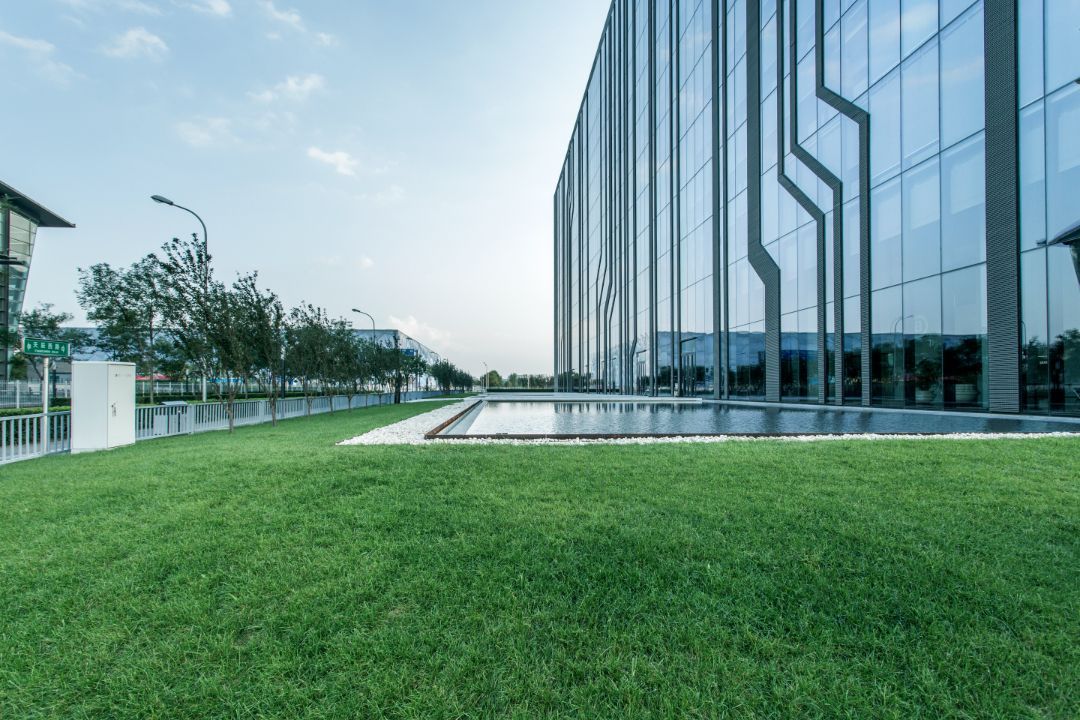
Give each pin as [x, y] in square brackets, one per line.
[831, 202]
[20, 218]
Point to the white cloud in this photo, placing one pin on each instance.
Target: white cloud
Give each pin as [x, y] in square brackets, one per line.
[336, 262]
[205, 132]
[137, 43]
[294, 87]
[436, 338]
[289, 17]
[220, 8]
[41, 54]
[341, 161]
[292, 18]
[136, 6]
[29, 44]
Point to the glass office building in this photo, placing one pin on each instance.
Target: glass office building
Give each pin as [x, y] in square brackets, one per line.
[20, 218]
[825, 201]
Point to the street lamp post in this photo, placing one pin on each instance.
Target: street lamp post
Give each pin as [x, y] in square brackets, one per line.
[361, 312]
[206, 256]
[486, 371]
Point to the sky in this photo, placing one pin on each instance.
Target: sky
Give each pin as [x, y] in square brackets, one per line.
[398, 156]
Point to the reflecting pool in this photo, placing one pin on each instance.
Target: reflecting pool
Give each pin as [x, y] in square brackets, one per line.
[545, 418]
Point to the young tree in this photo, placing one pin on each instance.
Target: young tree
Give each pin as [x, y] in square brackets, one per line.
[308, 333]
[185, 286]
[445, 374]
[227, 338]
[264, 334]
[127, 307]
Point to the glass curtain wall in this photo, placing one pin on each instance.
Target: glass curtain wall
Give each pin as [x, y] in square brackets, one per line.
[872, 149]
[1049, 98]
[17, 236]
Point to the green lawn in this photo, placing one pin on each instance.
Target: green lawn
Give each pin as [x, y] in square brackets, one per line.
[272, 574]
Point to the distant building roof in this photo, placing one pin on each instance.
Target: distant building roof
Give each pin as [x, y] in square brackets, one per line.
[40, 214]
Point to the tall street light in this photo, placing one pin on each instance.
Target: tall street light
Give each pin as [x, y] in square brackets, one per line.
[206, 256]
[361, 312]
[486, 371]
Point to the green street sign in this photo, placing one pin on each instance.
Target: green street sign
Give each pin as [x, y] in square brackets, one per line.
[46, 348]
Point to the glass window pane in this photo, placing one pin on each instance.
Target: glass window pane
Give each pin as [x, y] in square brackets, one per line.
[885, 237]
[887, 350]
[1034, 354]
[884, 37]
[807, 100]
[951, 8]
[1062, 41]
[922, 342]
[768, 57]
[788, 263]
[1063, 286]
[807, 266]
[885, 135]
[1063, 160]
[922, 221]
[963, 304]
[1030, 55]
[854, 66]
[919, 79]
[832, 59]
[918, 21]
[1032, 177]
[851, 267]
[963, 212]
[962, 105]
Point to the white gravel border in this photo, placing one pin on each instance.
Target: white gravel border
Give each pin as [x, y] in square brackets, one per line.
[412, 431]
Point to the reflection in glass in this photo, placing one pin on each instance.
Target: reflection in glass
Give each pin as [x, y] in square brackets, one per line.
[1064, 318]
[1035, 386]
[963, 198]
[919, 81]
[885, 138]
[1062, 54]
[963, 301]
[885, 235]
[962, 105]
[922, 343]
[854, 65]
[852, 351]
[1030, 54]
[1032, 177]
[922, 221]
[1063, 159]
[887, 350]
[884, 37]
[918, 21]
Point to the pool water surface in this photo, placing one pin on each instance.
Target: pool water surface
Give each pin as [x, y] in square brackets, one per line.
[503, 418]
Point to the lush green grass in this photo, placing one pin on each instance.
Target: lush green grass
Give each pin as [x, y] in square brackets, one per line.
[271, 573]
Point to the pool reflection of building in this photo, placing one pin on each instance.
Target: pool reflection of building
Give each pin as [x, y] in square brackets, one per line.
[864, 230]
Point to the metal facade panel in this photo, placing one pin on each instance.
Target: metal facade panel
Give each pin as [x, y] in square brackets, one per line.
[1002, 206]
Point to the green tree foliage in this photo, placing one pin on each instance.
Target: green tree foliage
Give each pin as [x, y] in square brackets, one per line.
[127, 305]
[185, 286]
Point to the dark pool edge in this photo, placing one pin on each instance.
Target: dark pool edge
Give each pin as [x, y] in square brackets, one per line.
[990, 435]
[434, 432]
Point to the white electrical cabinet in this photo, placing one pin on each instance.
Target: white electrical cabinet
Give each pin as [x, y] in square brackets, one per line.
[102, 405]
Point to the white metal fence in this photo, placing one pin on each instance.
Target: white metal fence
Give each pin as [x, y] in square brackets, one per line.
[27, 393]
[24, 436]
